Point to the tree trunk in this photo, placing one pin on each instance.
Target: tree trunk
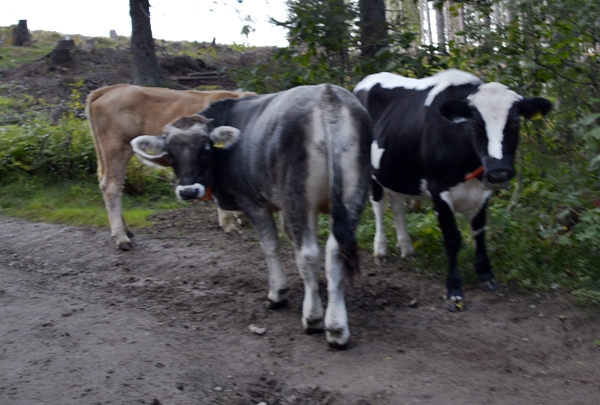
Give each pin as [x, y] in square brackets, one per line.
[373, 27]
[428, 20]
[145, 65]
[440, 25]
[21, 35]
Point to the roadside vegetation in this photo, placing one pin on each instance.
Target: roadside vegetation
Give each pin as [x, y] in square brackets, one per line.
[543, 233]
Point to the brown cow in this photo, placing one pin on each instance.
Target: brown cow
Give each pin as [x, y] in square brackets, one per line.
[120, 113]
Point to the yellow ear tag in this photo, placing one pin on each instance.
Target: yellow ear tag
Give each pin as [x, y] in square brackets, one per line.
[219, 145]
[150, 152]
[537, 116]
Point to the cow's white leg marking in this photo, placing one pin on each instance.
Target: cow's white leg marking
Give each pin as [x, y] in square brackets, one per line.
[269, 242]
[403, 240]
[277, 277]
[380, 241]
[112, 193]
[336, 317]
[111, 184]
[307, 260]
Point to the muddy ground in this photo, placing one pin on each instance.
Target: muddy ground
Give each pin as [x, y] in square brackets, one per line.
[168, 323]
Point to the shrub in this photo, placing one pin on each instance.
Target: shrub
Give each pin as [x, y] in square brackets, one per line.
[37, 148]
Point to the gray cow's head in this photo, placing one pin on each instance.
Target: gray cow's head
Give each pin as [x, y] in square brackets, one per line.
[491, 114]
[187, 144]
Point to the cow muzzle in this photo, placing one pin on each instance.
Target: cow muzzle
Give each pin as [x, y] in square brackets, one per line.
[192, 192]
[498, 170]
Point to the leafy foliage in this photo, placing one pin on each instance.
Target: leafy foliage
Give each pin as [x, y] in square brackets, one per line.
[37, 148]
[545, 233]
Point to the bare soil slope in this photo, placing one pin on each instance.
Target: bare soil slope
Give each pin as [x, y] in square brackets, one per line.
[168, 323]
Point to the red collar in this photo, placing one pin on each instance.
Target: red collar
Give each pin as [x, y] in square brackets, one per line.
[476, 173]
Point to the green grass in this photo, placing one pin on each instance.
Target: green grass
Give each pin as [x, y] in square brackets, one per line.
[76, 203]
[14, 56]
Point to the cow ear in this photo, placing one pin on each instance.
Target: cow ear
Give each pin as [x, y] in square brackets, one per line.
[152, 148]
[223, 137]
[456, 111]
[534, 108]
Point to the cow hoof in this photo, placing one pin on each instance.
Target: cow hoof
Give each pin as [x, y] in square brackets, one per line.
[278, 304]
[312, 326]
[125, 246]
[242, 219]
[232, 230]
[488, 285]
[338, 346]
[455, 304]
[380, 260]
[338, 338]
[409, 257]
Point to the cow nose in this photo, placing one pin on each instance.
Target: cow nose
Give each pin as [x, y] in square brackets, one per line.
[498, 170]
[190, 192]
[500, 175]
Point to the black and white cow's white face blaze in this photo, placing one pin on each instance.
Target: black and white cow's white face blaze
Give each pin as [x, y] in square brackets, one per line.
[187, 144]
[492, 115]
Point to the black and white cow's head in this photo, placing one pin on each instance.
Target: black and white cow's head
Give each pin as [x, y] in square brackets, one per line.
[492, 115]
[187, 144]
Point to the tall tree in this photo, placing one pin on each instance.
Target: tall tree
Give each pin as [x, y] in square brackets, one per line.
[440, 24]
[373, 27]
[145, 65]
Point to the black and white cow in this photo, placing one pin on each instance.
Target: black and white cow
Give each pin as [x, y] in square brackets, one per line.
[450, 138]
[303, 152]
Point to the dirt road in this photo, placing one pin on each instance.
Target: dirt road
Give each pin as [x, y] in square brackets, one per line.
[168, 323]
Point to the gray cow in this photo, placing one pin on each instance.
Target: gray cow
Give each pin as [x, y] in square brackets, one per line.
[303, 152]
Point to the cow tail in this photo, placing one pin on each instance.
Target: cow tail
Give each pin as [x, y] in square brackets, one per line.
[90, 99]
[342, 228]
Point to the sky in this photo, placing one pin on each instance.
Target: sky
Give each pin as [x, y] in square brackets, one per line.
[173, 20]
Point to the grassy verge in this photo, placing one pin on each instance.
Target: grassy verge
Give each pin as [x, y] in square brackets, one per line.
[75, 202]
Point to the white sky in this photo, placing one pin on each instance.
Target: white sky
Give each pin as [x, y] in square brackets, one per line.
[174, 20]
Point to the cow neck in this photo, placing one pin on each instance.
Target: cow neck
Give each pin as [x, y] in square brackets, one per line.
[474, 174]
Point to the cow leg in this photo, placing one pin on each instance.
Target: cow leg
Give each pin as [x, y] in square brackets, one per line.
[452, 242]
[265, 225]
[300, 226]
[380, 240]
[241, 218]
[111, 185]
[226, 220]
[403, 240]
[308, 263]
[336, 317]
[482, 263]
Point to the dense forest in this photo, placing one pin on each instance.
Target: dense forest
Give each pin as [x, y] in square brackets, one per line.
[544, 232]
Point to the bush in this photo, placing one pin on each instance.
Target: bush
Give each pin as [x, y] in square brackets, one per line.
[37, 148]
